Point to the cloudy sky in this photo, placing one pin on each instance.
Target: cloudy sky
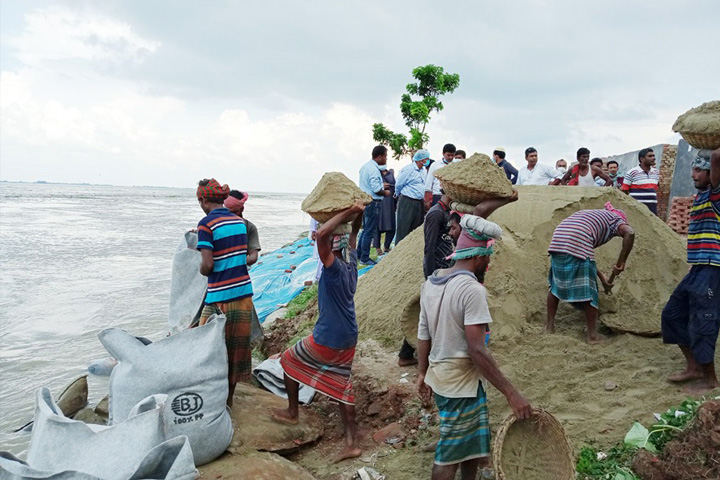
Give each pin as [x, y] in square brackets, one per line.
[266, 96]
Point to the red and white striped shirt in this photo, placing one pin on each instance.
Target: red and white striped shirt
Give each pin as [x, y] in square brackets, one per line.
[582, 232]
[643, 186]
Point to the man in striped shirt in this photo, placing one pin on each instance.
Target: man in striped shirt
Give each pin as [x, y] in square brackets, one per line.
[572, 262]
[691, 318]
[641, 182]
[222, 241]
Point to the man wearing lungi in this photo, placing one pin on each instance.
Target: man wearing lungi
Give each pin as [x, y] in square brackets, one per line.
[572, 262]
[691, 318]
[323, 359]
[453, 358]
[223, 244]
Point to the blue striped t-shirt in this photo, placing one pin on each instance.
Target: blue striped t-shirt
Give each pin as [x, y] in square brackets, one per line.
[226, 235]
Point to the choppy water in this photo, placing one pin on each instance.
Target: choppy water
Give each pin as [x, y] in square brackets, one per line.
[75, 259]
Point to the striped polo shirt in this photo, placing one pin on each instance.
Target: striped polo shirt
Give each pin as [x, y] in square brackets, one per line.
[582, 232]
[643, 186]
[226, 235]
[704, 229]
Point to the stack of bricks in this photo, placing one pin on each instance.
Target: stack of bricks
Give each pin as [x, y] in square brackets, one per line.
[667, 168]
[680, 214]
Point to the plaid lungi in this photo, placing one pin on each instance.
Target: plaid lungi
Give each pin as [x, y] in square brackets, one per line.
[572, 279]
[464, 428]
[327, 370]
[237, 336]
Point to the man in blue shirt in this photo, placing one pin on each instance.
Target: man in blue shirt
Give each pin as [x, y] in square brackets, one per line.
[410, 189]
[371, 182]
[323, 359]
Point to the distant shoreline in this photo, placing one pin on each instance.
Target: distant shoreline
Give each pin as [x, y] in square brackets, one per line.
[83, 184]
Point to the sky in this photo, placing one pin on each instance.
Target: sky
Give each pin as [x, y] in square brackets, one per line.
[268, 96]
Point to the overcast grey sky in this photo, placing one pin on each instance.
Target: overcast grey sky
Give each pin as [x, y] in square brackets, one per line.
[267, 96]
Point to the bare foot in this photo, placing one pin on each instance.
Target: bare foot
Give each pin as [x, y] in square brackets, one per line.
[595, 339]
[685, 375]
[430, 447]
[701, 388]
[347, 452]
[282, 415]
[549, 328]
[407, 362]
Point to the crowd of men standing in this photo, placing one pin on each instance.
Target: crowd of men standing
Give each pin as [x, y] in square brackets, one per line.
[400, 204]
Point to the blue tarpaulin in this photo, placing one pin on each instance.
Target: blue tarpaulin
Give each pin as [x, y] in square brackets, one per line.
[275, 282]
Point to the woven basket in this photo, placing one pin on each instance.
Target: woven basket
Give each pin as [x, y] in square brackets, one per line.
[463, 194]
[461, 207]
[323, 217]
[701, 141]
[533, 449]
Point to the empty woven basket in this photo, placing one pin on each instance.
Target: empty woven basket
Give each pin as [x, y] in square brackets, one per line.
[533, 449]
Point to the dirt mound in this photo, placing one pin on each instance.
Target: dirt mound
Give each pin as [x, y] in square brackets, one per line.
[474, 179]
[517, 278]
[388, 296]
[255, 465]
[333, 193]
[694, 454]
[702, 119]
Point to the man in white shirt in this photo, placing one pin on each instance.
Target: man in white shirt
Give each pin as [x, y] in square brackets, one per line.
[453, 359]
[536, 173]
[432, 184]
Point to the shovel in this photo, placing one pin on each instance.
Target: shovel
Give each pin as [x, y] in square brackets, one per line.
[608, 290]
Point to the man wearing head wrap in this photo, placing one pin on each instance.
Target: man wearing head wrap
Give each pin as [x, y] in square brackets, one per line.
[410, 188]
[222, 241]
[691, 318]
[323, 359]
[572, 262]
[453, 360]
[235, 202]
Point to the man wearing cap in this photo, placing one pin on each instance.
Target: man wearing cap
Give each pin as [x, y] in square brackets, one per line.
[410, 189]
[572, 262]
[432, 184]
[453, 360]
[510, 171]
[536, 173]
[222, 241]
[691, 318]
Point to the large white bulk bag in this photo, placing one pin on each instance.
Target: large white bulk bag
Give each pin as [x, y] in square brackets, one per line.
[191, 369]
[171, 460]
[59, 443]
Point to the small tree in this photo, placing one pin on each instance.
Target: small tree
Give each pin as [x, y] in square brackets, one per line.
[432, 82]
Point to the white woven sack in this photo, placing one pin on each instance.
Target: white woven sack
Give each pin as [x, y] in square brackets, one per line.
[191, 369]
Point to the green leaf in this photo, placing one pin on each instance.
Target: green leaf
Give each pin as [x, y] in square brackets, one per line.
[639, 436]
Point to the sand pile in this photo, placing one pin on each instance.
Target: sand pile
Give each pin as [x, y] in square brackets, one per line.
[700, 126]
[334, 192]
[517, 278]
[474, 179]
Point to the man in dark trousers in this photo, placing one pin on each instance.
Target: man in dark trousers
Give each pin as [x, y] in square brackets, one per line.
[691, 318]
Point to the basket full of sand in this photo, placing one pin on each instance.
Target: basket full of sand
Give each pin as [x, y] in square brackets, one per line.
[334, 193]
[700, 126]
[474, 180]
[536, 448]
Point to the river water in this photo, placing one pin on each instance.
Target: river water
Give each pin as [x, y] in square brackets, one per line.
[76, 259]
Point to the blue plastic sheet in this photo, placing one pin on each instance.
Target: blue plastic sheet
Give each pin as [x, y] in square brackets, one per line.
[274, 280]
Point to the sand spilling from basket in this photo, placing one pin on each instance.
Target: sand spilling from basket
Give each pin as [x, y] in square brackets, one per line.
[473, 179]
[335, 192]
[517, 278]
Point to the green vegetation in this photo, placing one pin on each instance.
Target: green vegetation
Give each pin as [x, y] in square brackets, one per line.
[300, 303]
[303, 330]
[616, 463]
[432, 82]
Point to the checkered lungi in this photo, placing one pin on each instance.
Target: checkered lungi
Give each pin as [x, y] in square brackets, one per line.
[237, 335]
[464, 428]
[327, 370]
[572, 279]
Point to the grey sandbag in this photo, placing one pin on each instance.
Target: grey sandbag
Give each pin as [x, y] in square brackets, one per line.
[270, 375]
[171, 460]
[187, 284]
[191, 369]
[59, 443]
[188, 288]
